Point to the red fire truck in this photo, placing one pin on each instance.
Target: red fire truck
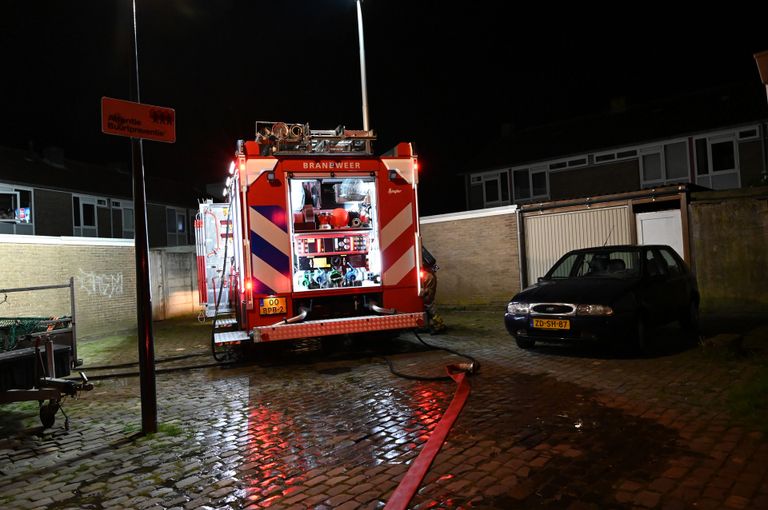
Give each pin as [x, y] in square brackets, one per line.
[319, 237]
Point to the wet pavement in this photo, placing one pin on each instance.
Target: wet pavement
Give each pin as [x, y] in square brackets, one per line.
[573, 427]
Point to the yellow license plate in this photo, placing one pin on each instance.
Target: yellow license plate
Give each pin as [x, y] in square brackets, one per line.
[272, 305]
[551, 323]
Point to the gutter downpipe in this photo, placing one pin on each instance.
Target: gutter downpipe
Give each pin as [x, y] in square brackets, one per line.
[522, 256]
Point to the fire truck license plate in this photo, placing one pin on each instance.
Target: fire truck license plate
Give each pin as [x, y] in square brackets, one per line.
[271, 305]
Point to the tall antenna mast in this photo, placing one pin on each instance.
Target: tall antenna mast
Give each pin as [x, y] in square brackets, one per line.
[363, 84]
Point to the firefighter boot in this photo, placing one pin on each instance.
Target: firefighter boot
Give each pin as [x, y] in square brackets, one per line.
[436, 325]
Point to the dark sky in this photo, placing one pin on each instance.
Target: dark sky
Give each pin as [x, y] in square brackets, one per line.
[443, 75]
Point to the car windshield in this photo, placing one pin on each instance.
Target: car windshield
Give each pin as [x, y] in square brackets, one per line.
[602, 263]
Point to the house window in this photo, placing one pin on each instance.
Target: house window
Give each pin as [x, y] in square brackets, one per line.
[749, 133]
[530, 183]
[84, 215]
[128, 228]
[490, 189]
[676, 161]
[521, 181]
[181, 223]
[723, 156]
[664, 164]
[717, 162]
[122, 223]
[16, 210]
[652, 167]
[176, 223]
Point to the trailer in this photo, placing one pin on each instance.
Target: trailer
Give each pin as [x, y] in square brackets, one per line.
[36, 353]
[318, 237]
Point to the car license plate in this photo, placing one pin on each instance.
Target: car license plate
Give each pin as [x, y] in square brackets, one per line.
[272, 305]
[551, 324]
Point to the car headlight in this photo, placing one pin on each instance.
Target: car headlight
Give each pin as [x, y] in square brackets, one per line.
[594, 310]
[518, 308]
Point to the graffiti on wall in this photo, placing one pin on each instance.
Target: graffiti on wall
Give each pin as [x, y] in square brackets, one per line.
[101, 284]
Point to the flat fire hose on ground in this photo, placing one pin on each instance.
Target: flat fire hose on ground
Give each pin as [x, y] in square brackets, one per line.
[415, 474]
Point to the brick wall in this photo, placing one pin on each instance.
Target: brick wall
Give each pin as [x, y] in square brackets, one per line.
[104, 273]
[477, 253]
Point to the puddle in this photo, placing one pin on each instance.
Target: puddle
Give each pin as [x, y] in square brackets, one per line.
[572, 448]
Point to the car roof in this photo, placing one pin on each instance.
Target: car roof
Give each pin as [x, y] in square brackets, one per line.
[615, 247]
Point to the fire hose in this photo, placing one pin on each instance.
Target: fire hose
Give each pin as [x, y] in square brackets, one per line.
[413, 477]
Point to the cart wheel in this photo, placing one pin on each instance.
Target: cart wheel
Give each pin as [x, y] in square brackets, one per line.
[48, 414]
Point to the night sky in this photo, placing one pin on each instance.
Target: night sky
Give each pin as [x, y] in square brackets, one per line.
[443, 75]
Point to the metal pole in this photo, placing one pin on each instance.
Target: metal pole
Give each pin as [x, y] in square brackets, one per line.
[363, 83]
[143, 297]
[73, 322]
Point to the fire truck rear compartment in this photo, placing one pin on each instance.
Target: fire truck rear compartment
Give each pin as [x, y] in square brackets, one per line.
[335, 307]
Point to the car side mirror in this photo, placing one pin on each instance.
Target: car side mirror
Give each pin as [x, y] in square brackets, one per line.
[540, 279]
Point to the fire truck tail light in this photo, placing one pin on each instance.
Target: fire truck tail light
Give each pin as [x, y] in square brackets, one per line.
[248, 285]
[415, 165]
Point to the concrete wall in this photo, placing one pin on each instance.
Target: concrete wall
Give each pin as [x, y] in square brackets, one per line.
[173, 274]
[477, 253]
[104, 273]
[729, 233]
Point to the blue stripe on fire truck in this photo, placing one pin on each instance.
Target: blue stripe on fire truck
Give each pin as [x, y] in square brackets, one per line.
[270, 250]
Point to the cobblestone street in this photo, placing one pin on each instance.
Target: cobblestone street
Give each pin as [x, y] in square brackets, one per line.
[553, 427]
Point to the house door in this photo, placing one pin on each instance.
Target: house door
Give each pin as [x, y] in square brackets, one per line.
[661, 227]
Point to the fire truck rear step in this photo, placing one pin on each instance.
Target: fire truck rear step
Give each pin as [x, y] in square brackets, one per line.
[226, 322]
[231, 337]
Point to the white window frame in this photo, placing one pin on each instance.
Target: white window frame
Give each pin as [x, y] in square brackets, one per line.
[705, 179]
[660, 150]
[570, 163]
[615, 155]
[86, 230]
[124, 206]
[744, 129]
[13, 189]
[531, 171]
[179, 212]
[480, 179]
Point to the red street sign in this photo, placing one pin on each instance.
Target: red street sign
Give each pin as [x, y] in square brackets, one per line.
[137, 120]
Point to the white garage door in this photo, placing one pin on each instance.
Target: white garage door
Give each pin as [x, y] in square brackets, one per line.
[549, 236]
[661, 227]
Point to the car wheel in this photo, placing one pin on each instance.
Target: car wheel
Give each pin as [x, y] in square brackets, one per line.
[524, 342]
[690, 324]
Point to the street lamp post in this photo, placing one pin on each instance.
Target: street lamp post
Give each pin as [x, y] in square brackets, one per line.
[363, 83]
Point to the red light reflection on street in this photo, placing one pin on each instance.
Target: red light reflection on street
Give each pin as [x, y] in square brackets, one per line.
[271, 440]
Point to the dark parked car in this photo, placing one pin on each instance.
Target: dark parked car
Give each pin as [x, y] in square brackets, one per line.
[613, 293]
